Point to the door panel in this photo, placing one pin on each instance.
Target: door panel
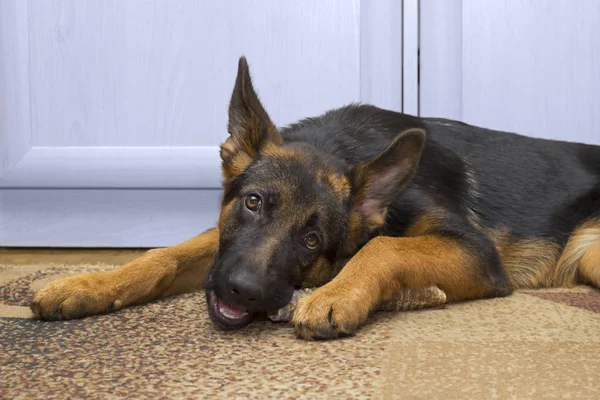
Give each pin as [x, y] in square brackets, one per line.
[15, 127]
[524, 66]
[118, 103]
[160, 73]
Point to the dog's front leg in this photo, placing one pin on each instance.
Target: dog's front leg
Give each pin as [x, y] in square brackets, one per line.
[378, 272]
[158, 273]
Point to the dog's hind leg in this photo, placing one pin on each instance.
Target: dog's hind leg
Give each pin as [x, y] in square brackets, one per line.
[589, 268]
[580, 259]
[158, 273]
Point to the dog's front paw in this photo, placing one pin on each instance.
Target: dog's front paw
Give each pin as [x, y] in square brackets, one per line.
[74, 297]
[330, 313]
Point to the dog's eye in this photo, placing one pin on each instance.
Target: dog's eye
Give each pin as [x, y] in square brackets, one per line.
[311, 241]
[253, 202]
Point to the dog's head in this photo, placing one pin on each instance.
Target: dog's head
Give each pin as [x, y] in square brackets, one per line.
[291, 214]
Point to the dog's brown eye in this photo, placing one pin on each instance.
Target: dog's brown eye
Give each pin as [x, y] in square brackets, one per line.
[253, 202]
[311, 241]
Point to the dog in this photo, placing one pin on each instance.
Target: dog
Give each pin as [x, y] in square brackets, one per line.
[362, 203]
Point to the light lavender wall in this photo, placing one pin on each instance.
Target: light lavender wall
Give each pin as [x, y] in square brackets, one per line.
[526, 66]
[98, 98]
[160, 73]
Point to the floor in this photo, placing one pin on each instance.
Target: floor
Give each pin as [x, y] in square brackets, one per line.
[541, 344]
[22, 256]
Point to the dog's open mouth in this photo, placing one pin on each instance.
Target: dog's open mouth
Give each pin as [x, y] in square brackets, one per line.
[227, 316]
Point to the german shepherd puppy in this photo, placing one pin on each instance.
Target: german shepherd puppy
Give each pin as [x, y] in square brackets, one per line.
[362, 203]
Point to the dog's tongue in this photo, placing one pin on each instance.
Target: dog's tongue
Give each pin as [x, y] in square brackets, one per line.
[230, 311]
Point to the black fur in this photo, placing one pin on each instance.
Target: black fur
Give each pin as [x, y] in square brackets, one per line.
[520, 181]
[536, 188]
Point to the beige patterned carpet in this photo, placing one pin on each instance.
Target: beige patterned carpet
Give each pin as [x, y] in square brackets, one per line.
[530, 345]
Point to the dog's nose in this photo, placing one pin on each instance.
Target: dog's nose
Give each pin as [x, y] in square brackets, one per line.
[246, 289]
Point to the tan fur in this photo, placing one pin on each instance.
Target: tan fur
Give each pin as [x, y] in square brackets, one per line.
[159, 272]
[529, 262]
[320, 273]
[233, 162]
[579, 257]
[259, 258]
[237, 155]
[356, 235]
[539, 263]
[339, 184]
[377, 273]
[590, 263]
[424, 224]
[354, 226]
[276, 151]
[224, 213]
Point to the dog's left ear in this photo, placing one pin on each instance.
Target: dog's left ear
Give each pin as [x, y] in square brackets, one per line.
[377, 182]
[250, 127]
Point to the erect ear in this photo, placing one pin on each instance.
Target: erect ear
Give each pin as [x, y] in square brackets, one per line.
[250, 127]
[377, 182]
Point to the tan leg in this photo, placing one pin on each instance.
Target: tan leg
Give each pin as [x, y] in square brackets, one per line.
[158, 273]
[375, 277]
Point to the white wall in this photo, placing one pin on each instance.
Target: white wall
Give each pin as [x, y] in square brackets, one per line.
[111, 112]
[531, 67]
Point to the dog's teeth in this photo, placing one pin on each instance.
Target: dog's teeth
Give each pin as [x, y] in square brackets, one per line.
[228, 314]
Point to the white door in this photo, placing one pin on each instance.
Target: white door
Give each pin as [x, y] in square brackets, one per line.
[531, 67]
[111, 112]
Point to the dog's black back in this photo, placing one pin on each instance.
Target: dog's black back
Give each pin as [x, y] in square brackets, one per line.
[516, 189]
[535, 187]
[538, 188]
